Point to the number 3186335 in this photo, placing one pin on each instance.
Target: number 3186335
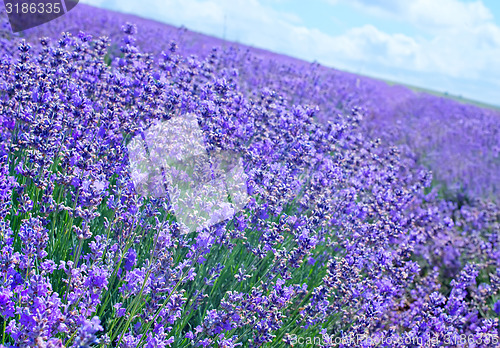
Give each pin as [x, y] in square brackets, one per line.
[25, 8]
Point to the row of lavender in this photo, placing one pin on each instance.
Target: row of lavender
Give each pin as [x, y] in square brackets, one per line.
[458, 142]
[343, 235]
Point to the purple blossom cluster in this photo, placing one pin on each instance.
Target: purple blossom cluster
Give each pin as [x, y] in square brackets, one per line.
[343, 234]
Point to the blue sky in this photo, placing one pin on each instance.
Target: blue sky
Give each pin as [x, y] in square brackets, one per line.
[445, 45]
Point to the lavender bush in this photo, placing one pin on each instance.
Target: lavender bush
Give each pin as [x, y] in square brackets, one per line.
[340, 236]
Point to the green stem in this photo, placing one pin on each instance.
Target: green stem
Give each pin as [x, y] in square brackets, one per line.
[161, 308]
[136, 300]
[3, 331]
[77, 256]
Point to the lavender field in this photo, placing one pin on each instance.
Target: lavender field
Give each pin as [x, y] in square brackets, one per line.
[368, 217]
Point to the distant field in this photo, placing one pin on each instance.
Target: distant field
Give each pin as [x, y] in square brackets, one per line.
[445, 95]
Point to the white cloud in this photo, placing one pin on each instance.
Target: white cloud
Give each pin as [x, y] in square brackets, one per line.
[428, 14]
[448, 14]
[461, 40]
